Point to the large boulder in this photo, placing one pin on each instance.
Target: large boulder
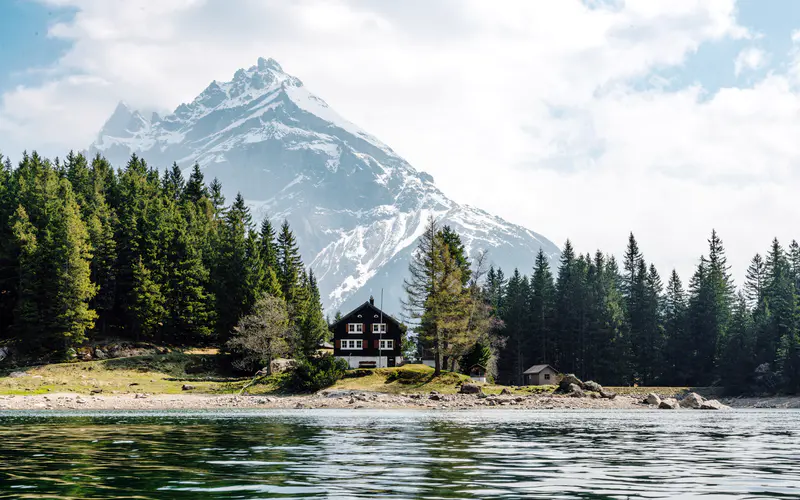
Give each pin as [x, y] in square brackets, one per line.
[692, 400]
[470, 389]
[100, 354]
[652, 399]
[505, 392]
[282, 365]
[575, 391]
[713, 404]
[18, 374]
[4, 353]
[567, 381]
[668, 404]
[592, 386]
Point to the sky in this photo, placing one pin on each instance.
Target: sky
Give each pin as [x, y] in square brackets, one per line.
[579, 119]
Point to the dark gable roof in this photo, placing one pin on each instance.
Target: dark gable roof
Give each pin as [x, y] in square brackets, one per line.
[533, 370]
[368, 306]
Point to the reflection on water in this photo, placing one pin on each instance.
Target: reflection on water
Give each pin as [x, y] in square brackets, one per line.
[401, 454]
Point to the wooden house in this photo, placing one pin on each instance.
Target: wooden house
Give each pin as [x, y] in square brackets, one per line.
[368, 337]
[540, 375]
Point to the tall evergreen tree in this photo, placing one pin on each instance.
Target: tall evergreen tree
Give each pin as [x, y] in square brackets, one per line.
[542, 310]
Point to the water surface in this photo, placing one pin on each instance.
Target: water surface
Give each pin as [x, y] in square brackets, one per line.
[401, 454]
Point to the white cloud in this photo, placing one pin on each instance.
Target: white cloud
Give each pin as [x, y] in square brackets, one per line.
[527, 109]
[751, 59]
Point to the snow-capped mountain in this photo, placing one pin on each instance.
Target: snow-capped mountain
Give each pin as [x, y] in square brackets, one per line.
[356, 207]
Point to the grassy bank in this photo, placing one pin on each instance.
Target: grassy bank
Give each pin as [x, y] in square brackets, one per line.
[205, 371]
[154, 374]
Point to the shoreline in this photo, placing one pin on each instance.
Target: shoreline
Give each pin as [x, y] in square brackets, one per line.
[346, 400]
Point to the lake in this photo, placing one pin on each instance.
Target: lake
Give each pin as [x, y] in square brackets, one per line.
[401, 454]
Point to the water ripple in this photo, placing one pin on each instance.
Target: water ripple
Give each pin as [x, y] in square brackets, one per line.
[400, 454]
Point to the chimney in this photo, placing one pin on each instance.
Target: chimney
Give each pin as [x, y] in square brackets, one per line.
[371, 300]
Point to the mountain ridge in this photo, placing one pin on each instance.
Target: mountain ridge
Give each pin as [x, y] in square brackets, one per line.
[356, 206]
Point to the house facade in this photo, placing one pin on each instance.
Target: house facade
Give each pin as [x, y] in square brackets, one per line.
[368, 337]
[540, 375]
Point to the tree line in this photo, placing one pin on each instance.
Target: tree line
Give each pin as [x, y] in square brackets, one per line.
[615, 323]
[87, 251]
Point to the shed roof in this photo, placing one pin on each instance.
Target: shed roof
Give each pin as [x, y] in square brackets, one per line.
[536, 369]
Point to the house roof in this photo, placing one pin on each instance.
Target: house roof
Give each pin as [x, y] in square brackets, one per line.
[369, 306]
[533, 370]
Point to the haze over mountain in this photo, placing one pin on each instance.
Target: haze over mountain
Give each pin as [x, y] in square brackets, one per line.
[356, 207]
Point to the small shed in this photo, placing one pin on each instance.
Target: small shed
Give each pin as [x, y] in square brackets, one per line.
[540, 375]
[478, 373]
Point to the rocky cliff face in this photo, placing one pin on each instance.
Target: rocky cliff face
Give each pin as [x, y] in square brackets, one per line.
[356, 206]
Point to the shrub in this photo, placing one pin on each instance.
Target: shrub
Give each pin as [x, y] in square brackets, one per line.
[317, 373]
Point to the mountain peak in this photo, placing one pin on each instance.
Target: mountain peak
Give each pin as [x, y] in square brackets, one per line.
[123, 121]
[357, 207]
[265, 64]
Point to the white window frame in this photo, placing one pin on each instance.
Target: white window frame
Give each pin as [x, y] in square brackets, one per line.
[355, 328]
[352, 345]
[376, 327]
[387, 345]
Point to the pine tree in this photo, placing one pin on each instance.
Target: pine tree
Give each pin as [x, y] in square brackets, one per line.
[146, 303]
[217, 198]
[174, 183]
[457, 252]
[269, 259]
[779, 296]
[710, 309]
[542, 310]
[189, 315]
[515, 315]
[755, 280]
[235, 273]
[312, 328]
[289, 272]
[736, 359]
[195, 187]
[679, 348]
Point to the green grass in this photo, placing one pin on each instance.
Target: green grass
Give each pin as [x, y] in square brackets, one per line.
[408, 378]
[205, 370]
[154, 374]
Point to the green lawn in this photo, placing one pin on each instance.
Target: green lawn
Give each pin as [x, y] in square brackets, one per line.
[205, 371]
[154, 374]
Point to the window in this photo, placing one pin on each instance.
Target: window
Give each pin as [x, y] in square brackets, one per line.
[387, 345]
[355, 327]
[547, 376]
[352, 344]
[378, 327]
